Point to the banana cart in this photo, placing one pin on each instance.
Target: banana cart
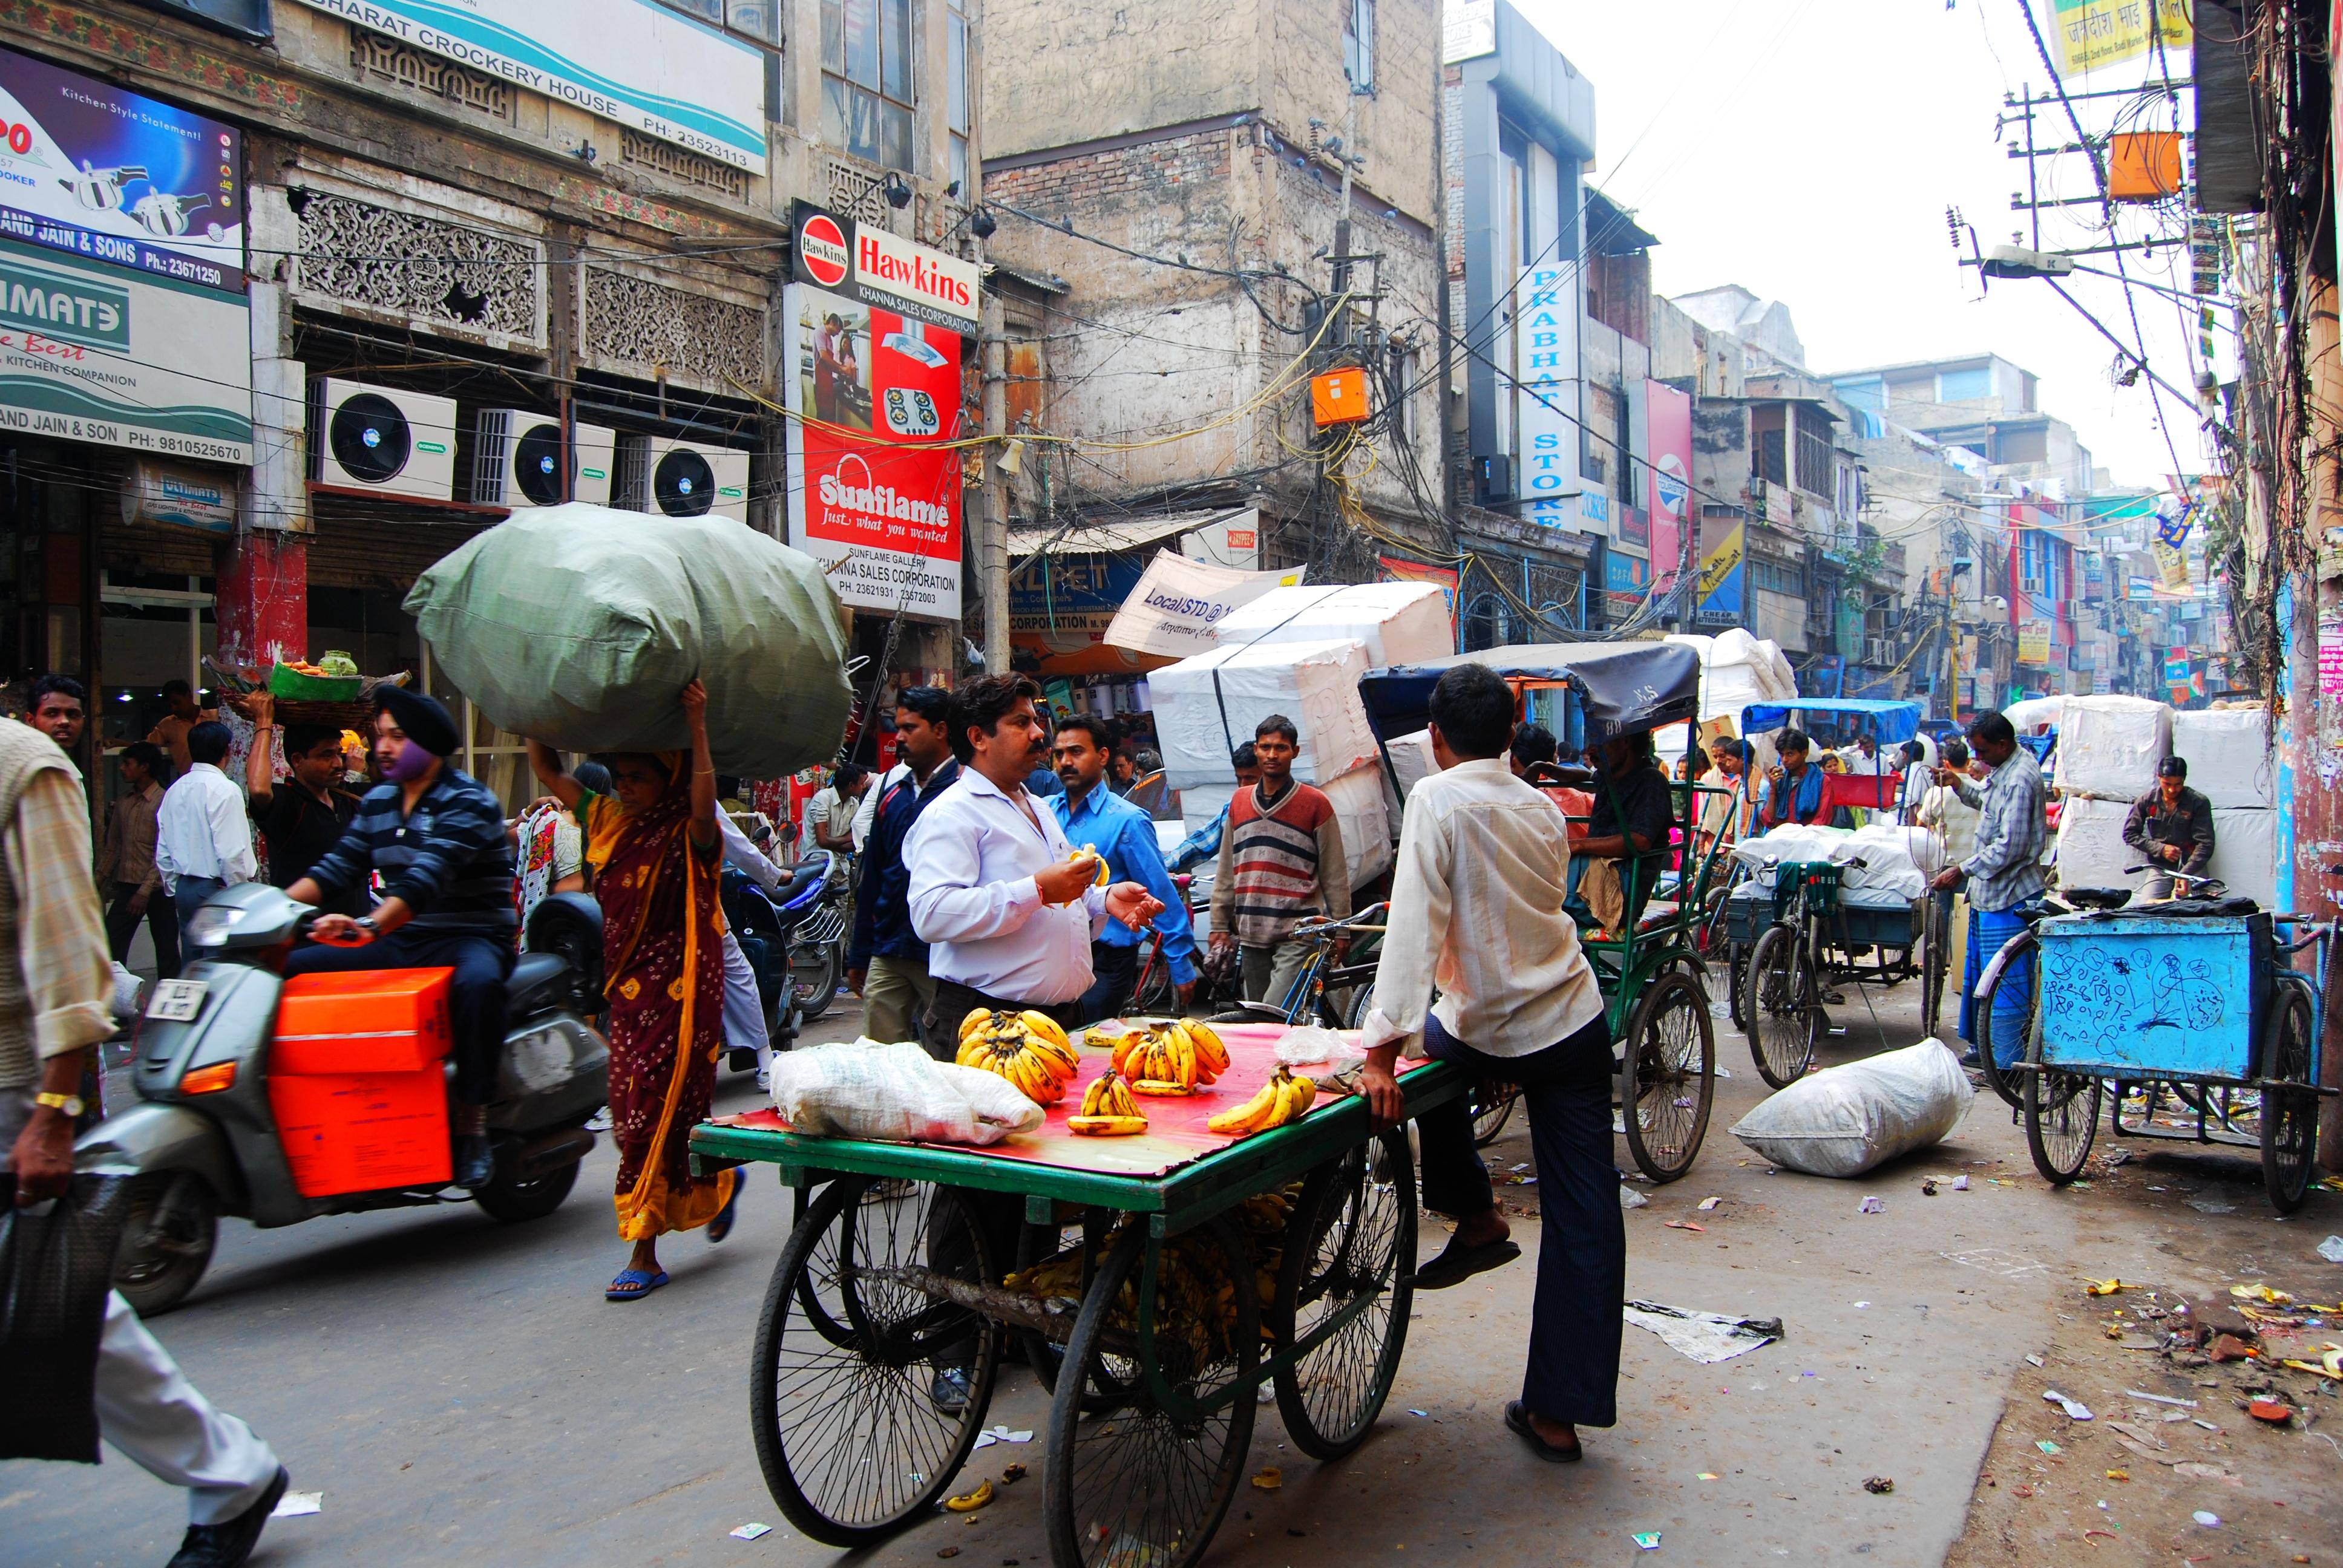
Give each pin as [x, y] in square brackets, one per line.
[1157, 1281]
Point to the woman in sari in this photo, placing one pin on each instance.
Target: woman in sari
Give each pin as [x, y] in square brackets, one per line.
[654, 847]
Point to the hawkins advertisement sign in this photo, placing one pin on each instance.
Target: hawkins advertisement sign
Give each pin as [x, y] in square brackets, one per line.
[873, 386]
[108, 175]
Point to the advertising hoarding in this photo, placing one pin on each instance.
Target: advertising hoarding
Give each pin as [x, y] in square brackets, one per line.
[1721, 573]
[1667, 415]
[634, 62]
[1545, 380]
[109, 176]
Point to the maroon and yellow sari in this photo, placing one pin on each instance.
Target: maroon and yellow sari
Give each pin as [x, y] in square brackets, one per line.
[663, 956]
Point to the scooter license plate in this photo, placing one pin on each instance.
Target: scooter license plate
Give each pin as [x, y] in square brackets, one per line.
[177, 1001]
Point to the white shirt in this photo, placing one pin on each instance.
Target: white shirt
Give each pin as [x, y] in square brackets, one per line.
[865, 815]
[971, 857]
[202, 830]
[1476, 910]
[742, 853]
[1869, 767]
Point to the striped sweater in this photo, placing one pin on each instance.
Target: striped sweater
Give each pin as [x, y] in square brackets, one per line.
[1279, 864]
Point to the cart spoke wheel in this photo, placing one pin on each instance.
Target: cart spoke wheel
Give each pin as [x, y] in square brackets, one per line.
[1667, 1076]
[1349, 1250]
[1780, 1008]
[1737, 976]
[1934, 961]
[2289, 1117]
[851, 1438]
[2018, 971]
[2062, 1111]
[1492, 1107]
[1137, 1484]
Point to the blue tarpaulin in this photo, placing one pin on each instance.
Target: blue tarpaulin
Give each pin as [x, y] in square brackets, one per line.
[1892, 722]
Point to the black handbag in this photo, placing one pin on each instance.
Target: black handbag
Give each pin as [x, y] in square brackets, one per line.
[56, 1268]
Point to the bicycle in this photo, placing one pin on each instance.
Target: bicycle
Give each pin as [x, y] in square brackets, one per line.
[1307, 1000]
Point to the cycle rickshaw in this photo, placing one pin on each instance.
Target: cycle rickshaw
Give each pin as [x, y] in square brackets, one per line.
[1652, 975]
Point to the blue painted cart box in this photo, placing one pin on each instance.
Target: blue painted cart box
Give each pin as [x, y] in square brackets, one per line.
[2135, 994]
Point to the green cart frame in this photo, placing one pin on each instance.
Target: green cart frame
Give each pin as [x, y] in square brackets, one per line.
[1160, 1321]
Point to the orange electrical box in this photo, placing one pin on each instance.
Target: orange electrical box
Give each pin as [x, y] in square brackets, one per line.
[2143, 166]
[362, 1021]
[362, 1132]
[1339, 397]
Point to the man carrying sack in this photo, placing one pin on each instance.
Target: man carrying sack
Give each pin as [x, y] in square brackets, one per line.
[54, 986]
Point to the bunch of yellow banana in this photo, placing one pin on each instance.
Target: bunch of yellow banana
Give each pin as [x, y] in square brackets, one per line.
[1171, 1055]
[1028, 1049]
[1090, 852]
[1284, 1099]
[1107, 1109]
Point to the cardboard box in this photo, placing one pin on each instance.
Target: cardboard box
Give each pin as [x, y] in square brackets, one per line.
[361, 1132]
[365, 1020]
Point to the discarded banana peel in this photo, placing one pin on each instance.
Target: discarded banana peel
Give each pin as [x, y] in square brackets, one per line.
[970, 1502]
[1028, 1049]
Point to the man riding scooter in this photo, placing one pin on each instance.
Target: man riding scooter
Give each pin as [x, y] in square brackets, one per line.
[436, 839]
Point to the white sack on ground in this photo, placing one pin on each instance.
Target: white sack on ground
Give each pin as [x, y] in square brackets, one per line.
[1397, 623]
[2110, 745]
[1199, 720]
[2227, 753]
[1843, 1121]
[2091, 851]
[897, 1094]
[2244, 852]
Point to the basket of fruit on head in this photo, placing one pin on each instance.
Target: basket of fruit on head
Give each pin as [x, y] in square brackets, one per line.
[333, 678]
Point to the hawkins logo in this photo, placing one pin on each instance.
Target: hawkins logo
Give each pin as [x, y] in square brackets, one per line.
[822, 248]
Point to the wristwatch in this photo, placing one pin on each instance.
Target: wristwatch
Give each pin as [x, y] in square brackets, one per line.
[367, 924]
[69, 1103]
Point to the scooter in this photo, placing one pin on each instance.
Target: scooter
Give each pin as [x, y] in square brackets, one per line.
[766, 926]
[203, 1141]
[818, 935]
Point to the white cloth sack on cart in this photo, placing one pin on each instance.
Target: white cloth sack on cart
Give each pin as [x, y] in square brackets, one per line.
[1843, 1121]
[1897, 861]
[896, 1094]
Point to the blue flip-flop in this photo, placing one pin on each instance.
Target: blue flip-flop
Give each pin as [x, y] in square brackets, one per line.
[643, 1284]
[721, 1226]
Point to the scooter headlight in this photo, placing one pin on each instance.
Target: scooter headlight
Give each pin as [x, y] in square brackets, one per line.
[210, 926]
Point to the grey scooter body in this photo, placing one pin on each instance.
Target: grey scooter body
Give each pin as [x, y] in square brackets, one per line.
[204, 1155]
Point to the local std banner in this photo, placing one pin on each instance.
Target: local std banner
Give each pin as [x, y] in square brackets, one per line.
[1177, 602]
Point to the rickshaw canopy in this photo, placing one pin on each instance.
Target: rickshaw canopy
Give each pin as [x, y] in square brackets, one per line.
[1622, 688]
[1891, 722]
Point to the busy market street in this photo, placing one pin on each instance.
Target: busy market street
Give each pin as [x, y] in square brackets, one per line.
[455, 1391]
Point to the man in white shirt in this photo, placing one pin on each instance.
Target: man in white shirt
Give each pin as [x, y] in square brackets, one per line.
[744, 1005]
[1476, 910]
[202, 837]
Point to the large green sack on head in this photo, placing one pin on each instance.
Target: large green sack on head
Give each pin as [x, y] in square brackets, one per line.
[579, 625]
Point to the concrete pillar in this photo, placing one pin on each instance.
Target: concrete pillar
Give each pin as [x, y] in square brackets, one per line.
[263, 592]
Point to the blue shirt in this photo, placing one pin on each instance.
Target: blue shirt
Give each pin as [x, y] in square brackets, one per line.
[882, 905]
[1203, 844]
[1125, 835]
[446, 859]
[1042, 781]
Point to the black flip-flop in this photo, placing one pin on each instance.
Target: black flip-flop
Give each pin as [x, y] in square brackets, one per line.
[1457, 1264]
[1518, 1420]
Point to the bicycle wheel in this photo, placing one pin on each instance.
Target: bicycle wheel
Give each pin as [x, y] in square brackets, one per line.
[1492, 1107]
[853, 1444]
[1667, 1076]
[2062, 1111]
[1736, 978]
[2002, 1083]
[1935, 962]
[1350, 1254]
[1155, 996]
[2290, 1116]
[1133, 1482]
[1783, 1017]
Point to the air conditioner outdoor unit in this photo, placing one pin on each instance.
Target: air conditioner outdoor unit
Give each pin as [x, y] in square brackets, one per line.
[516, 459]
[382, 439]
[683, 478]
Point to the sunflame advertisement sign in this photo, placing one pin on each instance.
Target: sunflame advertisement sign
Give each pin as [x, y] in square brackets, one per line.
[109, 176]
[873, 389]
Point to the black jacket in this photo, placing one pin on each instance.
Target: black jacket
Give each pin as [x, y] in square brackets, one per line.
[2189, 824]
[882, 911]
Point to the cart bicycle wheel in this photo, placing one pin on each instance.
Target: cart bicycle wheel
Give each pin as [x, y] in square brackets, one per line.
[2062, 1111]
[1667, 1076]
[1492, 1107]
[1141, 1482]
[852, 1444]
[1781, 1012]
[1934, 963]
[1737, 978]
[1349, 1256]
[2290, 1116]
[2004, 1084]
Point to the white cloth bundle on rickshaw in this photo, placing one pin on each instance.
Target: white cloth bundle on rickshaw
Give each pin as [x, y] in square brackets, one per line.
[1897, 861]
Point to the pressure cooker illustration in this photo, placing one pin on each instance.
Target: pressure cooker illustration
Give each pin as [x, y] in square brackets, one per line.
[166, 216]
[100, 190]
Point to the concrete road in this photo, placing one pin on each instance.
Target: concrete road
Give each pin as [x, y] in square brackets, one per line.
[460, 1392]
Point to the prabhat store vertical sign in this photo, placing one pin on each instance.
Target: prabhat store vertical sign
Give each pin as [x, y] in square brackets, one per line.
[873, 326]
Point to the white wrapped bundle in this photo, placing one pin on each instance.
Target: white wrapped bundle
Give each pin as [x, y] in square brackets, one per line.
[2091, 851]
[2227, 753]
[1397, 623]
[2110, 746]
[1843, 1121]
[1207, 706]
[2244, 852]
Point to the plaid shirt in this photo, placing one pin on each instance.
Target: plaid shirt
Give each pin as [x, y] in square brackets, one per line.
[2004, 869]
[60, 935]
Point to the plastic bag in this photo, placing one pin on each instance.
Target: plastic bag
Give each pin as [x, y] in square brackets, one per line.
[896, 1094]
[1843, 1121]
[56, 1268]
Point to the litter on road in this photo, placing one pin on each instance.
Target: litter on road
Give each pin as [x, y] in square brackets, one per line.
[1649, 1540]
[1872, 1206]
[1706, 1337]
[2331, 1249]
[1878, 1485]
[2075, 1409]
[2209, 1521]
[2160, 1399]
[294, 1504]
[750, 1531]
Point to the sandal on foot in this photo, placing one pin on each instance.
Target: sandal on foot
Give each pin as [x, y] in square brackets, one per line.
[634, 1285]
[1458, 1263]
[721, 1226]
[1518, 1419]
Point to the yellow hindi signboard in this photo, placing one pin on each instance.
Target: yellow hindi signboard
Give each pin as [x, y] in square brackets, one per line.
[2034, 642]
[2089, 34]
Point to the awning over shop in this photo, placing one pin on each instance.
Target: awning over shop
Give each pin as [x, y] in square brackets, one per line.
[1095, 534]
